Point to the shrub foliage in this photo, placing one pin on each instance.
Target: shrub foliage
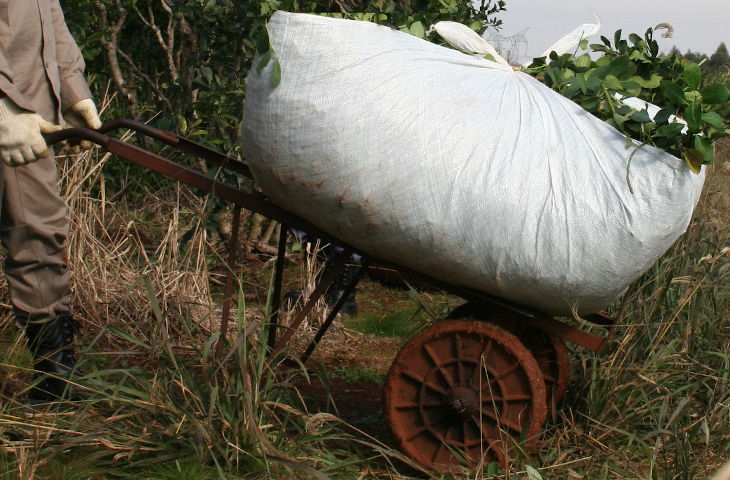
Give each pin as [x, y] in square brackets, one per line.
[183, 64]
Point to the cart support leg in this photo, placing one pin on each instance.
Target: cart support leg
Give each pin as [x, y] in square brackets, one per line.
[278, 279]
[333, 313]
[228, 294]
[319, 290]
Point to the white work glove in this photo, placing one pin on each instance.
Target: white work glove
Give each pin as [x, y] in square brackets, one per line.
[83, 114]
[21, 134]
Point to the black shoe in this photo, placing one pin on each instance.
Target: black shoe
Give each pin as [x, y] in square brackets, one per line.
[54, 356]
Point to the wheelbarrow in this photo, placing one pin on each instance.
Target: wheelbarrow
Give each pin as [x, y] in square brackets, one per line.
[475, 387]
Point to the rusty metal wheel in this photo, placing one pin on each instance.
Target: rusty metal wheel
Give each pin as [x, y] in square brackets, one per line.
[551, 354]
[462, 392]
[550, 351]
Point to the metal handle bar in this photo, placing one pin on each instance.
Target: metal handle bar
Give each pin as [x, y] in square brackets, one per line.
[251, 201]
[176, 141]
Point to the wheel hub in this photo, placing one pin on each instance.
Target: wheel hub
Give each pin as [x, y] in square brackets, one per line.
[463, 401]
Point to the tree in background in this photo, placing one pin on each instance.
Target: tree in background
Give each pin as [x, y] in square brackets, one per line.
[182, 64]
[720, 60]
[716, 66]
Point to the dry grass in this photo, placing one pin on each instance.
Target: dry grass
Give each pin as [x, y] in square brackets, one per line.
[112, 258]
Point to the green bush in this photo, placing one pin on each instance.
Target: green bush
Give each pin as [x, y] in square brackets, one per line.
[182, 65]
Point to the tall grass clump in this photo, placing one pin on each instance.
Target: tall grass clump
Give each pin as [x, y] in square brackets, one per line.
[660, 393]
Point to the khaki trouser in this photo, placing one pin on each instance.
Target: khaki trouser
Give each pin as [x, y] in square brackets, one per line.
[34, 229]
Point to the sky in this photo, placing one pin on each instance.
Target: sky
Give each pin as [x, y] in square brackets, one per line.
[699, 25]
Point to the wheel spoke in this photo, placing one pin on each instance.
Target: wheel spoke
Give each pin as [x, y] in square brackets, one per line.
[417, 432]
[434, 420]
[464, 428]
[476, 376]
[500, 421]
[517, 397]
[439, 364]
[424, 382]
[416, 405]
[543, 353]
[436, 453]
[500, 375]
[459, 365]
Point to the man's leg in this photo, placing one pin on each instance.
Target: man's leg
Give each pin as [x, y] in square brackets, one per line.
[34, 230]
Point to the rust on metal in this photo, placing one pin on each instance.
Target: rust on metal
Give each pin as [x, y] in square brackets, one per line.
[278, 280]
[550, 351]
[180, 143]
[228, 292]
[462, 392]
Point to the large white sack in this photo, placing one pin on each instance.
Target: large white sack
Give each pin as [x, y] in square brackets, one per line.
[456, 166]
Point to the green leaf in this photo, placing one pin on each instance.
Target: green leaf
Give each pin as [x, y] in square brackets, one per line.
[276, 74]
[641, 116]
[639, 56]
[207, 74]
[653, 82]
[715, 94]
[611, 83]
[590, 103]
[663, 115]
[632, 89]
[476, 25]
[692, 75]
[417, 30]
[713, 119]
[209, 344]
[593, 84]
[672, 92]
[616, 37]
[622, 109]
[693, 158]
[704, 146]
[576, 84]
[584, 61]
[263, 61]
[130, 338]
[670, 130]
[262, 41]
[619, 120]
[693, 96]
[622, 68]
[693, 117]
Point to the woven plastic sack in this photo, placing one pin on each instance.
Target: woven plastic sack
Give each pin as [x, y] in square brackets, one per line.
[456, 166]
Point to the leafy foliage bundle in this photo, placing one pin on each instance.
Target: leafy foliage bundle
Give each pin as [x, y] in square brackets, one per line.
[634, 68]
